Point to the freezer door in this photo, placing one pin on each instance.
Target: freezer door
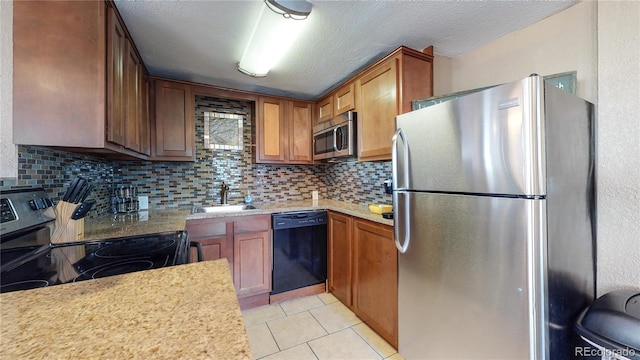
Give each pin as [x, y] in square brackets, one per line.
[488, 142]
[471, 280]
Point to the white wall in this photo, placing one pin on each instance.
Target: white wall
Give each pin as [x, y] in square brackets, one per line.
[560, 43]
[8, 151]
[601, 41]
[441, 75]
[618, 145]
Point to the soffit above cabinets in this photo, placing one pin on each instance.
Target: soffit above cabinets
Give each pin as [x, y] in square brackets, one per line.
[203, 41]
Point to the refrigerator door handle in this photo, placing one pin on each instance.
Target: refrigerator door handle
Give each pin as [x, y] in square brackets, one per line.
[399, 135]
[402, 227]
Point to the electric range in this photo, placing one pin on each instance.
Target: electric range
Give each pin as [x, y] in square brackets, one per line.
[29, 260]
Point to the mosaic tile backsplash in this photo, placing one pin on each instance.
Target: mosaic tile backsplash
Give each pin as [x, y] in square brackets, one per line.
[182, 184]
[54, 170]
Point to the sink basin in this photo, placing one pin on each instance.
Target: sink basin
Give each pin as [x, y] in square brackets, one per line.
[221, 208]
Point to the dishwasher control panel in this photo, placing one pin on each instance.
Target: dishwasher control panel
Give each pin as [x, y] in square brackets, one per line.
[288, 220]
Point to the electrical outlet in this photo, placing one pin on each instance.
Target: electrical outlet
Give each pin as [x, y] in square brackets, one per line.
[314, 195]
[143, 202]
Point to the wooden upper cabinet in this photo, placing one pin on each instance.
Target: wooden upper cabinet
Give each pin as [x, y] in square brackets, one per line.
[59, 73]
[145, 122]
[344, 99]
[76, 79]
[117, 48]
[300, 132]
[174, 125]
[283, 131]
[133, 75]
[385, 91]
[271, 139]
[338, 101]
[378, 99]
[325, 109]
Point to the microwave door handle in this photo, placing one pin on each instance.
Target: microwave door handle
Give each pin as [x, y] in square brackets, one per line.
[335, 139]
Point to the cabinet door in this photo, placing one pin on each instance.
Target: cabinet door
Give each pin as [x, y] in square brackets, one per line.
[213, 248]
[174, 122]
[375, 285]
[345, 99]
[252, 263]
[300, 132]
[377, 111]
[116, 48]
[271, 131]
[215, 236]
[132, 76]
[325, 109]
[145, 129]
[59, 73]
[339, 257]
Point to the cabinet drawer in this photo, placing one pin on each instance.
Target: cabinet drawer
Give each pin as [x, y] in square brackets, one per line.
[206, 228]
[252, 224]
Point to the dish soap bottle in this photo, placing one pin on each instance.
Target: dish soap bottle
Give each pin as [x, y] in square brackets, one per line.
[248, 199]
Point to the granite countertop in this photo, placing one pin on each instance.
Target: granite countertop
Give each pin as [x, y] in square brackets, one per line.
[155, 221]
[186, 311]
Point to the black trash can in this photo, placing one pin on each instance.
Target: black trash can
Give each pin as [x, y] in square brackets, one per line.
[610, 327]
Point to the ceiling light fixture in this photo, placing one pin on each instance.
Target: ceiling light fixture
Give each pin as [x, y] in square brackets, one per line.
[294, 9]
[277, 28]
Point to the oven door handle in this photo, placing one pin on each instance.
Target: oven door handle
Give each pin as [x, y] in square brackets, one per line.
[198, 247]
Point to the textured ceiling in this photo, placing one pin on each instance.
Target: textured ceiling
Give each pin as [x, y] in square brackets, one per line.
[202, 41]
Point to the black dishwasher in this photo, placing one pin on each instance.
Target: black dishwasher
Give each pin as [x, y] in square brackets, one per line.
[299, 250]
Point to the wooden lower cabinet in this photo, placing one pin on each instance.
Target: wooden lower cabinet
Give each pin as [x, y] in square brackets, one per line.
[246, 243]
[215, 236]
[375, 278]
[363, 271]
[339, 256]
[252, 263]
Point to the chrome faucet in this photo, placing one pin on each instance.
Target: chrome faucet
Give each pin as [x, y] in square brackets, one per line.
[224, 190]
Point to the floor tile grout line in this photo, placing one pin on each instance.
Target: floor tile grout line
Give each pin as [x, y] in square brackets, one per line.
[271, 332]
[323, 304]
[310, 348]
[320, 337]
[370, 344]
[307, 343]
[322, 326]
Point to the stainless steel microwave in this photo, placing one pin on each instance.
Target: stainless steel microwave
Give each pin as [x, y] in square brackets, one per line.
[335, 139]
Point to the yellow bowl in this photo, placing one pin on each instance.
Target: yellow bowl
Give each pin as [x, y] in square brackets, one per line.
[379, 208]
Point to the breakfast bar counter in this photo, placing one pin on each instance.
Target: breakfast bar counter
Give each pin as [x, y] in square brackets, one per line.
[187, 311]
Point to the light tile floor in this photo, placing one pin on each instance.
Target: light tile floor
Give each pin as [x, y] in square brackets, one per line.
[315, 327]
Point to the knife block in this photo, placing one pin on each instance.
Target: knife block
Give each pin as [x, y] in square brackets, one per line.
[65, 229]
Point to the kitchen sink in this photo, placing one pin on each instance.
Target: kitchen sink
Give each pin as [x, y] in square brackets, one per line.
[221, 208]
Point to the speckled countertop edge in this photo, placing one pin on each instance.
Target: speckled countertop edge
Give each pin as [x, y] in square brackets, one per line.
[158, 221]
[177, 312]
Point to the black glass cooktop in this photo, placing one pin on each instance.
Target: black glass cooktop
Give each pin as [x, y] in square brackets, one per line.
[28, 268]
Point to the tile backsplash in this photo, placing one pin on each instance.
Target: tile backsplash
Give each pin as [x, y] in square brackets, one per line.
[181, 184]
[358, 183]
[54, 169]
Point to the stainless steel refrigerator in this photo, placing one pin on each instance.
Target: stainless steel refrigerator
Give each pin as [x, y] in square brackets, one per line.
[494, 207]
